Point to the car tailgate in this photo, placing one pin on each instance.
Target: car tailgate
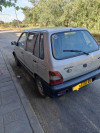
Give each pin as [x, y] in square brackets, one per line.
[77, 66]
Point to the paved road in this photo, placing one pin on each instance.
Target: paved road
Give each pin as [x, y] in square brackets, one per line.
[75, 112]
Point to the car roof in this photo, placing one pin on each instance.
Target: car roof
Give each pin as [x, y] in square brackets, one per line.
[54, 29]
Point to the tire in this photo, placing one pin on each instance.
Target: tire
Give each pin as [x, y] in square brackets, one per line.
[17, 61]
[40, 87]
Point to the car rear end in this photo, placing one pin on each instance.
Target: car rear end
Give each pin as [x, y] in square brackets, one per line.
[72, 70]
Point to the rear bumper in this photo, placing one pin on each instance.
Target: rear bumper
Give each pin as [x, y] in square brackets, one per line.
[53, 91]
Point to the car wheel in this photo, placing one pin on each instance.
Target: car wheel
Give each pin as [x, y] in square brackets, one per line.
[40, 87]
[17, 61]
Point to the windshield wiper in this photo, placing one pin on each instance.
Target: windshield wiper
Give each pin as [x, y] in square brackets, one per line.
[76, 51]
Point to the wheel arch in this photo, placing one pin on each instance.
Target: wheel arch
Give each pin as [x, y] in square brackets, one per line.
[13, 53]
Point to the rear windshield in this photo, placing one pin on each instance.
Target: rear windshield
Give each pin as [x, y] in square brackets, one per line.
[74, 40]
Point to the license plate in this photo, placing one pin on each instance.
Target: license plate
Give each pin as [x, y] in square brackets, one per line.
[77, 87]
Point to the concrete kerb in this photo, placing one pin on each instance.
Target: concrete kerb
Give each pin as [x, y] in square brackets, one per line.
[33, 120]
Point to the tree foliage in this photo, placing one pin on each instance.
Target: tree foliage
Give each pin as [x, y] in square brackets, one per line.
[15, 23]
[8, 3]
[64, 13]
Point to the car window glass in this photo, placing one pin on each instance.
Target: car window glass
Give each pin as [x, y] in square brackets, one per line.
[30, 42]
[30, 37]
[22, 40]
[36, 48]
[73, 40]
[41, 47]
[86, 38]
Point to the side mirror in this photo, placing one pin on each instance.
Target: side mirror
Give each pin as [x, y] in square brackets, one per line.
[14, 43]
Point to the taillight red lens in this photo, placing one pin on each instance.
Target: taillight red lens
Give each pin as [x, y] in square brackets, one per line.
[55, 78]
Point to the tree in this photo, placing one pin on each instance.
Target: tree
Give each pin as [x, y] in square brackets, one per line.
[8, 3]
[28, 15]
[44, 12]
[15, 22]
[85, 13]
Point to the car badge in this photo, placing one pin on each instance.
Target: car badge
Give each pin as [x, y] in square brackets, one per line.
[69, 70]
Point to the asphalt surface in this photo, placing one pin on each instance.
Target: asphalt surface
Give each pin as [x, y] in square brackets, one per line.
[75, 112]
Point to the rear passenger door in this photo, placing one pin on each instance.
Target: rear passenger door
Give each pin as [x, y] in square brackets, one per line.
[42, 63]
[39, 58]
[34, 55]
[30, 61]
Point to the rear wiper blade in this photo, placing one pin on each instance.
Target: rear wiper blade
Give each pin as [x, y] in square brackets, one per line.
[76, 51]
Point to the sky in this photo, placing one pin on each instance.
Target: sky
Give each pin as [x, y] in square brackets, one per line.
[8, 14]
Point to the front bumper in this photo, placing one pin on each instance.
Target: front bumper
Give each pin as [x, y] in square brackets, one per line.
[53, 91]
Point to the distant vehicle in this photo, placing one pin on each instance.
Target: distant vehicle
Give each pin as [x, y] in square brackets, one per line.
[60, 59]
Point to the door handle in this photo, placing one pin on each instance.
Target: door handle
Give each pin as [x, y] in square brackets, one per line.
[35, 61]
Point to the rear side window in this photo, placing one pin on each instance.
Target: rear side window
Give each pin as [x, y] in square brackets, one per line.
[36, 47]
[31, 42]
[41, 46]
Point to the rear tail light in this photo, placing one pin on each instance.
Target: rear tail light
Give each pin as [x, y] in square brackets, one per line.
[55, 78]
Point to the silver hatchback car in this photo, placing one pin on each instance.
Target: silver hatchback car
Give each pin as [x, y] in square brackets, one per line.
[60, 59]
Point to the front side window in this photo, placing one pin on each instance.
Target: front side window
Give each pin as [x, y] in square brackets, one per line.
[63, 43]
[22, 40]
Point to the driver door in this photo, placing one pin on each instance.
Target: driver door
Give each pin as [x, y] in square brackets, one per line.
[20, 49]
